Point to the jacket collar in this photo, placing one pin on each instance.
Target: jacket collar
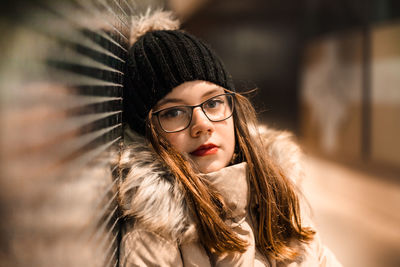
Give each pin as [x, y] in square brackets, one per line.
[150, 195]
[232, 183]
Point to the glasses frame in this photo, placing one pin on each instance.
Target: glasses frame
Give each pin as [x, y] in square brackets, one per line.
[191, 113]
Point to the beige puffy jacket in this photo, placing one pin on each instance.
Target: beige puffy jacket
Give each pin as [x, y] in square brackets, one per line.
[149, 195]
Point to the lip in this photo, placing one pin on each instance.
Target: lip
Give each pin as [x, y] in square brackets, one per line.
[204, 150]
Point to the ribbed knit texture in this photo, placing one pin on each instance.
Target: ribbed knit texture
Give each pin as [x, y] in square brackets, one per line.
[160, 61]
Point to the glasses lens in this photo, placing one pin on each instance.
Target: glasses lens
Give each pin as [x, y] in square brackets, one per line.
[175, 118]
[219, 108]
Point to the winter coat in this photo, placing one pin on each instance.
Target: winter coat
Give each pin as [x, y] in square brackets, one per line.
[162, 232]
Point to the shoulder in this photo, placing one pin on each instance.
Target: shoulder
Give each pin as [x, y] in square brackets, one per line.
[282, 148]
[140, 247]
[318, 254]
[310, 254]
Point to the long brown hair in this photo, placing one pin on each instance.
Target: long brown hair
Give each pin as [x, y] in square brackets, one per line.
[274, 203]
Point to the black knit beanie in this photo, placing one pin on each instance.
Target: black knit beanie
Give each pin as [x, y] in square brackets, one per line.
[161, 60]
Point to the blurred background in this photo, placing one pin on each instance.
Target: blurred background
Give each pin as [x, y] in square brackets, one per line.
[329, 71]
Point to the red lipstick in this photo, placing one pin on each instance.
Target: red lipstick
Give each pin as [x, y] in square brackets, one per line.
[204, 150]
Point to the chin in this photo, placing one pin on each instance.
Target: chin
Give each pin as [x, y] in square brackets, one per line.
[207, 167]
[208, 170]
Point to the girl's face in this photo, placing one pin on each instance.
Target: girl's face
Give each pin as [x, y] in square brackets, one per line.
[209, 144]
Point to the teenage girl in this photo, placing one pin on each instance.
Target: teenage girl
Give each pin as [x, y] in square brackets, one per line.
[201, 186]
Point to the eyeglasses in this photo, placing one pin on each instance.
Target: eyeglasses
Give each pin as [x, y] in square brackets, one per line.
[178, 118]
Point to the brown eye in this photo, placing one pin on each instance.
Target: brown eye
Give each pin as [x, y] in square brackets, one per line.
[213, 103]
[172, 113]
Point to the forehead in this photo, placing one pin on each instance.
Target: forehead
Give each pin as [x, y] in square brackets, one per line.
[191, 93]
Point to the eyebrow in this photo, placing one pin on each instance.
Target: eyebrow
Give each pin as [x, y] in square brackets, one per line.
[178, 100]
[213, 91]
[169, 100]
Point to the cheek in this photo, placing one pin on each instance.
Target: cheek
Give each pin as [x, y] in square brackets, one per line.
[177, 140]
[226, 134]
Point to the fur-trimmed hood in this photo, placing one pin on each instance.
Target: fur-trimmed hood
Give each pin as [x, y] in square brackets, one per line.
[150, 195]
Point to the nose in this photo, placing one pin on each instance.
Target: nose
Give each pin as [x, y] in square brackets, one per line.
[200, 123]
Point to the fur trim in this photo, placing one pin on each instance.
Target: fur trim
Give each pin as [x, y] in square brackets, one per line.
[151, 196]
[282, 148]
[152, 21]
